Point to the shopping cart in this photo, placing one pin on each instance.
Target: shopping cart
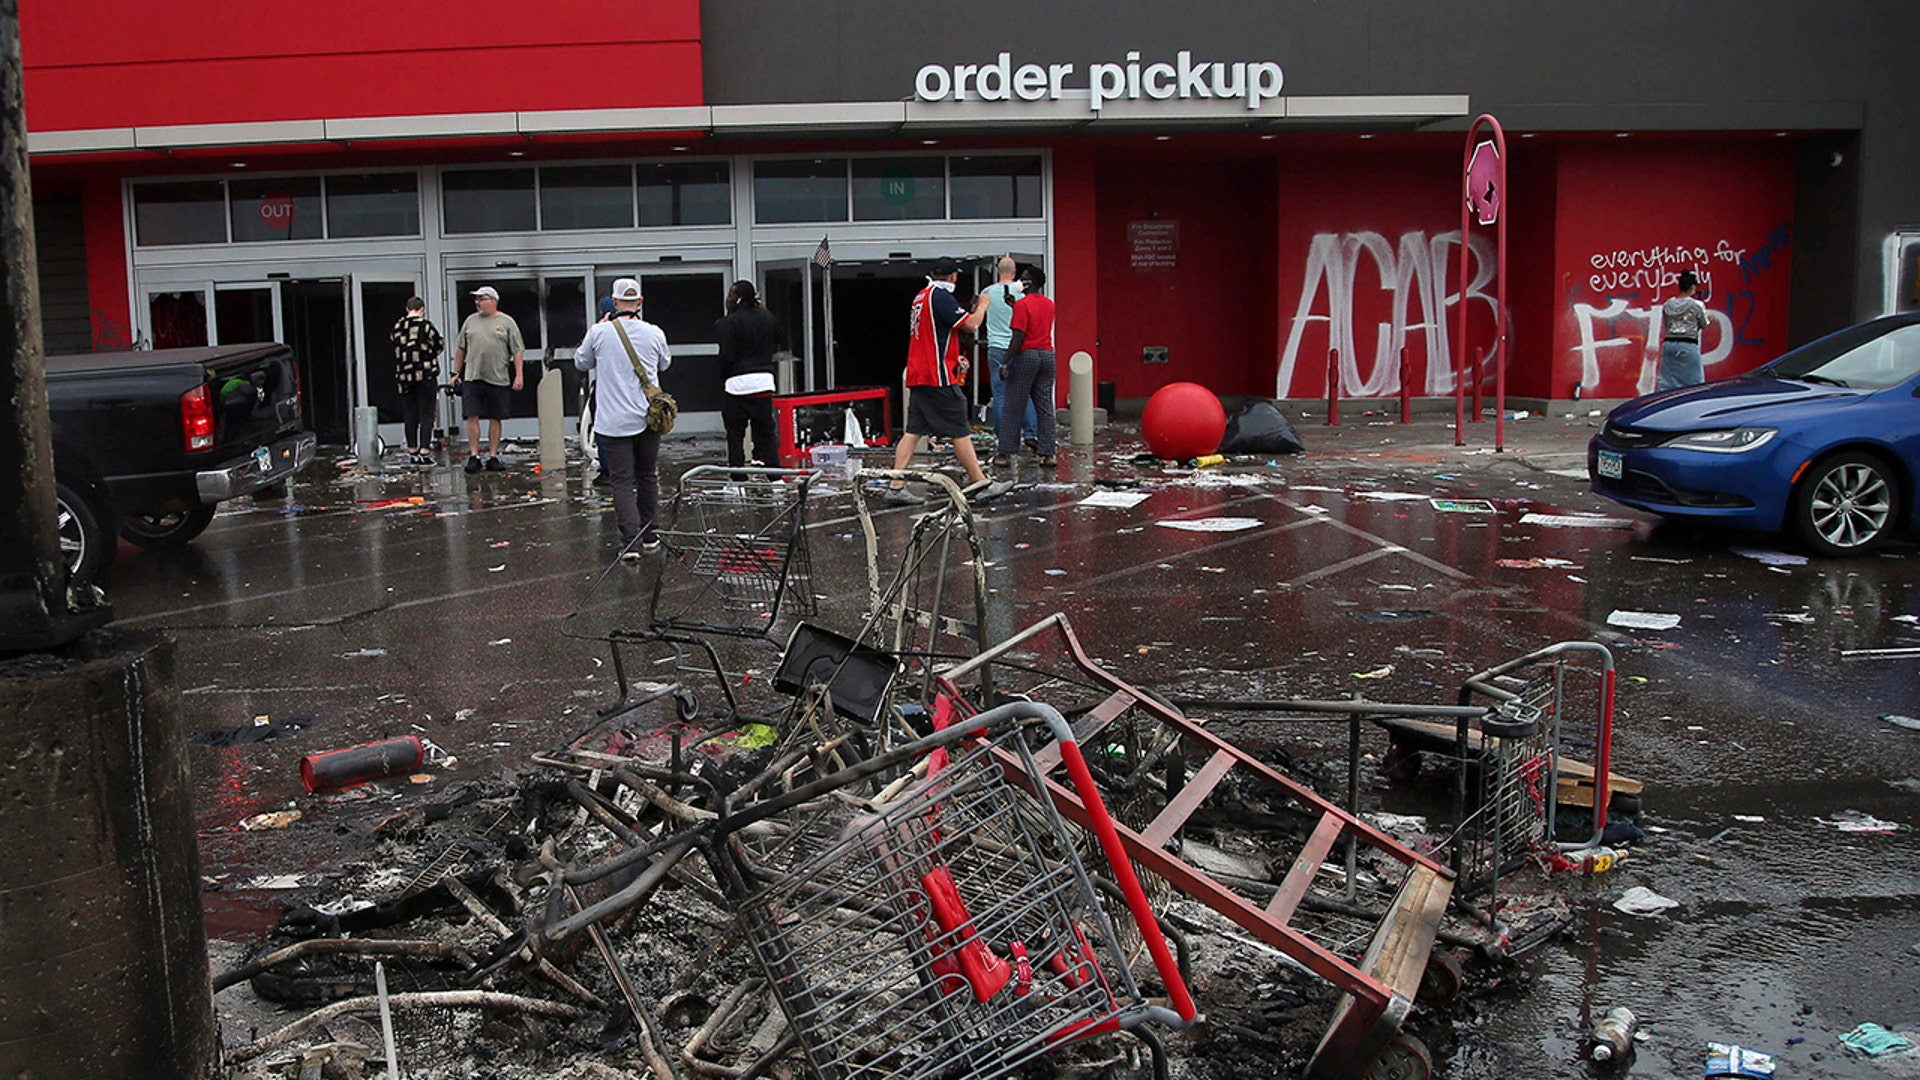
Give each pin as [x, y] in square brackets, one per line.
[739, 537]
[943, 926]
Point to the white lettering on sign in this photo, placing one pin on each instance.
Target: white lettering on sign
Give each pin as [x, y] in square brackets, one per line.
[1153, 245]
[276, 211]
[1129, 80]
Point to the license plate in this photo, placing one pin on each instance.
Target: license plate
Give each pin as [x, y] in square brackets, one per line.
[263, 457]
[1611, 465]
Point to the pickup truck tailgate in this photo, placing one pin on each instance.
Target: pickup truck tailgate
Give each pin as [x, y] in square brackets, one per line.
[255, 398]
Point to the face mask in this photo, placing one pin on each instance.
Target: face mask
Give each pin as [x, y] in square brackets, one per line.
[1015, 289]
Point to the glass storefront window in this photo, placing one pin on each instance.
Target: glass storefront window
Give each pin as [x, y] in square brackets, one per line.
[685, 306]
[178, 319]
[378, 204]
[809, 189]
[995, 187]
[188, 213]
[586, 197]
[897, 189]
[487, 200]
[696, 193]
[286, 209]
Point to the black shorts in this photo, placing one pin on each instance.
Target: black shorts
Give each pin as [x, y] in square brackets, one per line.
[485, 400]
[940, 411]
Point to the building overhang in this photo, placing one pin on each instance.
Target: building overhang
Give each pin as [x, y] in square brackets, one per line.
[1069, 115]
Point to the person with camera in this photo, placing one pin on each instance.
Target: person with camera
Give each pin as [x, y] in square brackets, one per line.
[628, 354]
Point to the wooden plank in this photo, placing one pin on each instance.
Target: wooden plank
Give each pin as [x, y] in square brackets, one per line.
[1093, 723]
[1397, 955]
[1293, 888]
[1182, 806]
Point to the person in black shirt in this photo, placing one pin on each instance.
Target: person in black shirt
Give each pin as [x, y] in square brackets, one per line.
[748, 338]
[416, 374]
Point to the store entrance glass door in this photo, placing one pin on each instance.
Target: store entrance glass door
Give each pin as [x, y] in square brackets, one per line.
[788, 288]
[553, 312]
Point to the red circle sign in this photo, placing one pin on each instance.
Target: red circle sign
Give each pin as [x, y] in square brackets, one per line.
[276, 211]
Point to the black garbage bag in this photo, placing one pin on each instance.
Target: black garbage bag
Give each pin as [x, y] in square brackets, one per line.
[1261, 428]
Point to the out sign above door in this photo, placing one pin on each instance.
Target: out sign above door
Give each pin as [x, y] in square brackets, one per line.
[276, 211]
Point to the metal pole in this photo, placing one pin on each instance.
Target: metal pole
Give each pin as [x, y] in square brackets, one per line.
[1500, 316]
[1460, 319]
[826, 300]
[1406, 389]
[36, 610]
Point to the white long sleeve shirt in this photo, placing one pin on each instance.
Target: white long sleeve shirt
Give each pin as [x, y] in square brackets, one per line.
[619, 403]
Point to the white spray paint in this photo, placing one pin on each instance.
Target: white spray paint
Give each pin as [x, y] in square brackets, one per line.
[1644, 351]
[1417, 271]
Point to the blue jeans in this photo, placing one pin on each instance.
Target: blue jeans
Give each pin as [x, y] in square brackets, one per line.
[1030, 428]
[1680, 365]
[1030, 379]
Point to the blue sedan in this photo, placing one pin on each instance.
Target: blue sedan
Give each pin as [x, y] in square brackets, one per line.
[1823, 443]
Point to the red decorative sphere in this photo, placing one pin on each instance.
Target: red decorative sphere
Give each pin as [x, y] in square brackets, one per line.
[1183, 420]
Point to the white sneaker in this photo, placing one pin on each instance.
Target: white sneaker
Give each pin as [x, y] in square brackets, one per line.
[993, 491]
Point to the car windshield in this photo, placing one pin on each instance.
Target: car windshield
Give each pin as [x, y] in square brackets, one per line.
[1871, 356]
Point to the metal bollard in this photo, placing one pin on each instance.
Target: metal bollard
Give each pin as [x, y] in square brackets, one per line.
[1333, 387]
[366, 435]
[1080, 398]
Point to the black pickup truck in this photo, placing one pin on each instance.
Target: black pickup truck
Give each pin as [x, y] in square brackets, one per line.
[145, 444]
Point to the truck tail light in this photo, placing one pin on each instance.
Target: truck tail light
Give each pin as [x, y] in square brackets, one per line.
[196, 418]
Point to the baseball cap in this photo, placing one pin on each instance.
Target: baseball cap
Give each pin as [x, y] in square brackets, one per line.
[487, 290]
[626, 289]
[944, 266]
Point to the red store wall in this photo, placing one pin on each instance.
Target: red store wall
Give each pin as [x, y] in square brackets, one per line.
[1209, 297]
[1630, 218]
[164, 62]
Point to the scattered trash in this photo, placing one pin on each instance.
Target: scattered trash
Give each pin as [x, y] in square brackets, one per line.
[1750, 819]
[1643, 620]
[1874, 1040]
[1575, 521]
[1658, 559]
[1212, 524]
[1376, 673]
[1536, 564]
[1463, 506]
[1799, 618]
[1878, 654]
[1612, 1038]
[501, 641]
[1770, 557]
[332, 770]
[1908, 722]
[274, 819]
[261, 729]
[496, 569]
[1386, 496]
[362, 653]
[1911, 620]
[1641, 900]
[1390, 615]
[1118, 500]
[1726, 1060]
[1854, 821]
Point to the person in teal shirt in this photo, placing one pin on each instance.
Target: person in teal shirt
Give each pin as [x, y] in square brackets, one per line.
[1001, 296]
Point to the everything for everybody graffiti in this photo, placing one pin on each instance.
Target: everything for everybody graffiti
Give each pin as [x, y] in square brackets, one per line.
[1418, 270]
[1630, 275]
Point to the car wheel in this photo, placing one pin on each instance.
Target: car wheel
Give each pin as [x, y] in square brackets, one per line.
[86, 544]
[171, 529]
[1846, 504]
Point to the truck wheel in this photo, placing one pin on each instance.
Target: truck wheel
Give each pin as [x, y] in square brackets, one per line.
[86, 543]
[172, 529]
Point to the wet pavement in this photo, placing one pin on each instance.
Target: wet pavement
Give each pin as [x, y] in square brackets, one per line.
[463, 609]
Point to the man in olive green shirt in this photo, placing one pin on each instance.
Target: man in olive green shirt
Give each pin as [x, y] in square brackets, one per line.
[488, 341]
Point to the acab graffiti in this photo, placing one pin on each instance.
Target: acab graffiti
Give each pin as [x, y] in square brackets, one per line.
[1414, 274]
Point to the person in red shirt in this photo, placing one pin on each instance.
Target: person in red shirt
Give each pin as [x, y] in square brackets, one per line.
[1030, 369]
[936, 381]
